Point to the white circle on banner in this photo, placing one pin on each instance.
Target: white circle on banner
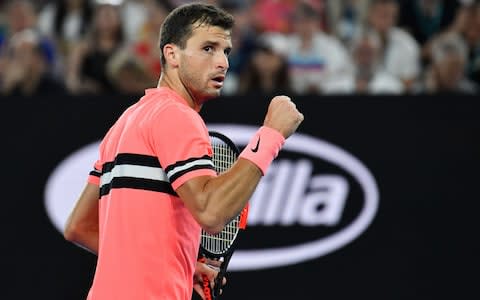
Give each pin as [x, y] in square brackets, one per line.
[69, 178]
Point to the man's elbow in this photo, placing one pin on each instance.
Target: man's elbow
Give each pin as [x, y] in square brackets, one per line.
[76, 232]
[211, 223]
[70, 233]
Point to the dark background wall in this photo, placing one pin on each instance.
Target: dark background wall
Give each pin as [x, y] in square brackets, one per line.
[423, 243]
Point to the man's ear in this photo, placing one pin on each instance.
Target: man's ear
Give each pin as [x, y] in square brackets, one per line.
[171, 55]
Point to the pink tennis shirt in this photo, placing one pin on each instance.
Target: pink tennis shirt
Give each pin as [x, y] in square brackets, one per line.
[149, 241]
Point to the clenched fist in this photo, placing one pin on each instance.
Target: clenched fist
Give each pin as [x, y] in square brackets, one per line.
[283, 116]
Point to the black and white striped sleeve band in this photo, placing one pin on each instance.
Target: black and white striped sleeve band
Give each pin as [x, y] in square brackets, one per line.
[95, 173]
[180, 168]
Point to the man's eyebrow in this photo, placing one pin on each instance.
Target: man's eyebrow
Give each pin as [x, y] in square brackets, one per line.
[211, 43]
[216, 44]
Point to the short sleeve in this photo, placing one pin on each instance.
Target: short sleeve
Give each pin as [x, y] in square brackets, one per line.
[182, 145]
[95, 174]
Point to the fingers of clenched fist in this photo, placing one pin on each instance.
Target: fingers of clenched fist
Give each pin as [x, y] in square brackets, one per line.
[283, 116]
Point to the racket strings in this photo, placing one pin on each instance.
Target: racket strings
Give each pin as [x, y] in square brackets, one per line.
[223, 158]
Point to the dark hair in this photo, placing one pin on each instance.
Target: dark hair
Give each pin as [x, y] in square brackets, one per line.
[177, 27]
[94, 32]
[251, 79]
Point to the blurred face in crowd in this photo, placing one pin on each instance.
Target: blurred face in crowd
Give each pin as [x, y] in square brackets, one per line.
[21, 15]
[25, 55]
[107, 19]
[383, 16]
[305, 26]
[203, 63]
[450, 69]
[472, 28]
[266, 62]
[365, 52]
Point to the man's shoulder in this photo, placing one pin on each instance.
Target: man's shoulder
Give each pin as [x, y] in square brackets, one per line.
[167, 106]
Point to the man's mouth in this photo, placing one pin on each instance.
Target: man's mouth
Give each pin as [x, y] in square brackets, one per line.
[219, 79]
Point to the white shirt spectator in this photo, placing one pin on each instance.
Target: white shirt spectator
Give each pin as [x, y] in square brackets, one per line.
[401, 55]
[134, 13]
[313, 69]
[326, 61]
[381, 83]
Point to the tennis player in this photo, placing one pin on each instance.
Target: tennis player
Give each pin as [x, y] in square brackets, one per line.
[154, 186]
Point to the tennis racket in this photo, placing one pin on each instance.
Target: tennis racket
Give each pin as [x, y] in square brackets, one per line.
[220, 246]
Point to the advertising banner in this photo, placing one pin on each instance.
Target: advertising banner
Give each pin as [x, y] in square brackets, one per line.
[372, 198]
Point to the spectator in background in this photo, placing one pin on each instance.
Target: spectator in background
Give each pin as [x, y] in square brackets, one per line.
[243, 42]
[266, 72]
[128, 73]
[66, 22]
[315, 59]
[368, 77]
[425, 18]
[471, 36]
[447, 71]
[87, 66]
[345, 17]
[273, 15]
[133, 15]
[21, 15]
[146, 45]
[400, 51]
[26, 70]
[466, 25]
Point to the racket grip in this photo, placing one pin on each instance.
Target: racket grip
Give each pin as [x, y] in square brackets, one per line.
[206, 288]
[221, 274]
[218, 284]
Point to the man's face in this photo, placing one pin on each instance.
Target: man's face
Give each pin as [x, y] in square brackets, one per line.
[450, 70]
[365, 53]
[383, 16]
[203, 63]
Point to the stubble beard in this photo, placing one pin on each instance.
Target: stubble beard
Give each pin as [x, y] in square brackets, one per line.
[198, 88]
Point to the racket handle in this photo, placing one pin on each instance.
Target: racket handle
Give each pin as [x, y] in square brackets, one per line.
[221, 274]
[206, 288]
[218, 284]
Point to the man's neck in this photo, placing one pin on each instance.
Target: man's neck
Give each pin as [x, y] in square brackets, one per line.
[176, 85]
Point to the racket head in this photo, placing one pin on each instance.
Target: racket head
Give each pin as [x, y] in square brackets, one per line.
[215, 246]
[220, 246]
[225, 152]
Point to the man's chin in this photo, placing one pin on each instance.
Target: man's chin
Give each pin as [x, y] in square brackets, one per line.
[210, 94]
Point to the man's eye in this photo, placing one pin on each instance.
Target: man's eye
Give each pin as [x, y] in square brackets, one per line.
[208, 48]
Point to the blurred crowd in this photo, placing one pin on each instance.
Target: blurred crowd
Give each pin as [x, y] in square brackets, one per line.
[279, 46]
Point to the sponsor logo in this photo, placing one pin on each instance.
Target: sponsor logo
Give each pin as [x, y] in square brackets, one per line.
[315, 199]
[254, 150]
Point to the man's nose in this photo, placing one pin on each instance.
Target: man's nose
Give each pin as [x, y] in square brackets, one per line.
[222, 61]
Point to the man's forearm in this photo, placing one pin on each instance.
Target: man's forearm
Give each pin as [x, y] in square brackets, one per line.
[214, 201]
[230, 192]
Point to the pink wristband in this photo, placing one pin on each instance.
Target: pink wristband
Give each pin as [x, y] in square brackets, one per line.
[263, 147]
